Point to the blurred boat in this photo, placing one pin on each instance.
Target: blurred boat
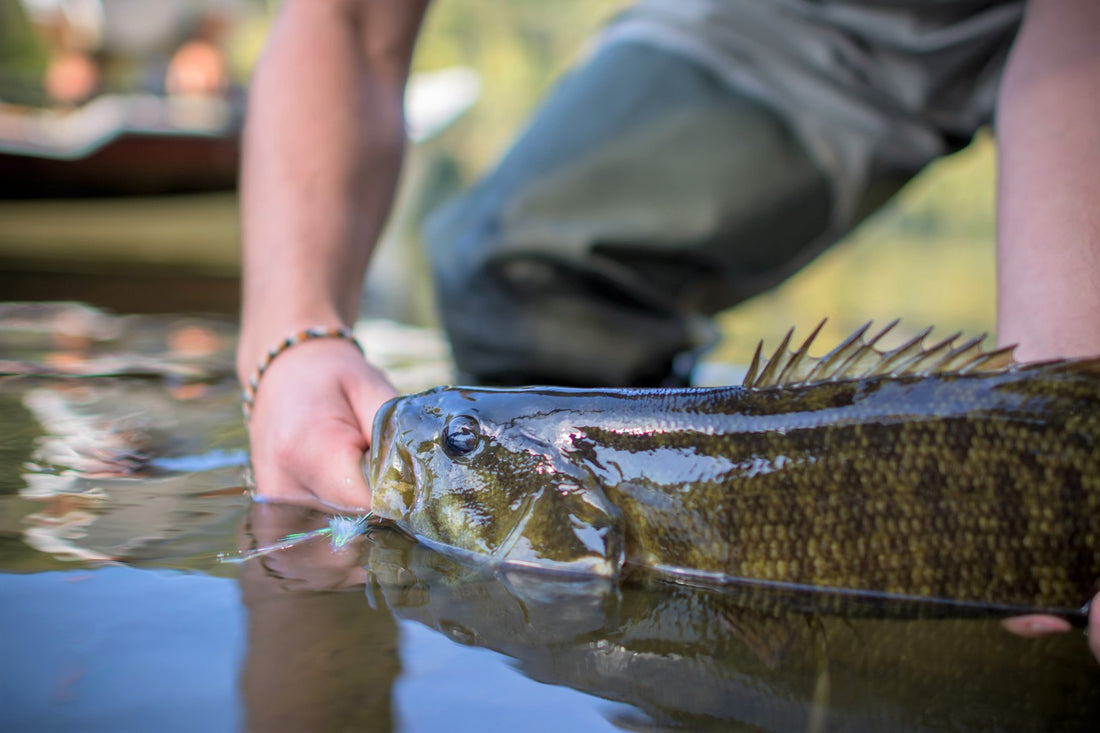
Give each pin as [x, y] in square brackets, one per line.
[117, 145]
[129, 144]
[161, 234]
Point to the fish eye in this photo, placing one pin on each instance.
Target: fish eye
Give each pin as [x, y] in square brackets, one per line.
[461, 436]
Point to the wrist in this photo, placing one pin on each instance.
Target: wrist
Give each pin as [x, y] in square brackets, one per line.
[250, 380]
[258, 336]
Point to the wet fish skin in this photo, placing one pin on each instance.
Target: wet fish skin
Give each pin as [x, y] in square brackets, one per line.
[978, 488]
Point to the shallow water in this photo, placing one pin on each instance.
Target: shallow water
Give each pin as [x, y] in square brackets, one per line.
[115, 499]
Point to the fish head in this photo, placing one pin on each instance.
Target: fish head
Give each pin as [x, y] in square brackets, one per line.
[489, 473]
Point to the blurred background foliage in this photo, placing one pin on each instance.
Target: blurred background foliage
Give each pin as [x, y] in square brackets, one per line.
[926, 257]
[520, 48]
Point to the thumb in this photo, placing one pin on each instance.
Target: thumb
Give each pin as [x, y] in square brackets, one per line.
[338, 478]
[366, 399]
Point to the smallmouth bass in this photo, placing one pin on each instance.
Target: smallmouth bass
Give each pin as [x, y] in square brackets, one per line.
[941, 473]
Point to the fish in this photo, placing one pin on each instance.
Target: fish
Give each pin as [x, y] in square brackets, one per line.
[941, 474]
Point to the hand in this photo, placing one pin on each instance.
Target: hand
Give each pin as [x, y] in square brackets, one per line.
[1038, 625]
[311, 425]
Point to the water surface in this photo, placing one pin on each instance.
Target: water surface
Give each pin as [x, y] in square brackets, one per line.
[118, 492]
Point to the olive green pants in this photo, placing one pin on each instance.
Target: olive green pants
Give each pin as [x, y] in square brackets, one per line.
[644, 197]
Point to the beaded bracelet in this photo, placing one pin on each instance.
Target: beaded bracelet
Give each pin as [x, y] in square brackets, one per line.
[248, 392]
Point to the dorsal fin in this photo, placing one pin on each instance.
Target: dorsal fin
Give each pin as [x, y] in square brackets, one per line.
[857, 357]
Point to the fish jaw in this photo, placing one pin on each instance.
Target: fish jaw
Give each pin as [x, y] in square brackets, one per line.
[390, 473]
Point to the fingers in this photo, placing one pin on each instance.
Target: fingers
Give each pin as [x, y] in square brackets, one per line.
[1036, 625]
[341, 480]
[330, 466]
[312, 459]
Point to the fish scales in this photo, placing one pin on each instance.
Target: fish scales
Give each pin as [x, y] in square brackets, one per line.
[978, 488]
[956, 507]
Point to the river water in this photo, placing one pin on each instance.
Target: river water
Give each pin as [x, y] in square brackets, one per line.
[121, 451]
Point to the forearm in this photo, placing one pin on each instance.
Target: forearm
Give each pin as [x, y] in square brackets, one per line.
[322, 151]
[1048, 130]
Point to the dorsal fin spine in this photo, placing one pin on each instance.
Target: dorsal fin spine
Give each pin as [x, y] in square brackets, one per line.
[798, 356]
[920, 361]
[857, 357]
[866, 348]
[830, 359]
[901, 354]
[750, 376]
[960, 355]
[766, 377]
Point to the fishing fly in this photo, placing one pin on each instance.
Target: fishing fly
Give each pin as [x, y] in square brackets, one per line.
[341, 530]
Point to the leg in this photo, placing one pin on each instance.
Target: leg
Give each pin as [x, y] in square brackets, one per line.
[645, 196]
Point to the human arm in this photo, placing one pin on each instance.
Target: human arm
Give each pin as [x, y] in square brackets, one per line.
[1048, 198]
[1048, 220]
[322, 151]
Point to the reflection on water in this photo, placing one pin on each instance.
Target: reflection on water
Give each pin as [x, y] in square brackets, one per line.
[319, 658]
[117, 493]
[699, 659]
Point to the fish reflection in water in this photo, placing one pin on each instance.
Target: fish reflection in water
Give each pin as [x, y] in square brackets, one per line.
[702, 659]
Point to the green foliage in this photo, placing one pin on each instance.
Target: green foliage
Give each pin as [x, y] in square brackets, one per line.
[22, 57]
[519, 48]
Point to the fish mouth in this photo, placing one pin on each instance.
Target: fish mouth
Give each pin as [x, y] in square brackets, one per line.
[381, 442]
[390, 475]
